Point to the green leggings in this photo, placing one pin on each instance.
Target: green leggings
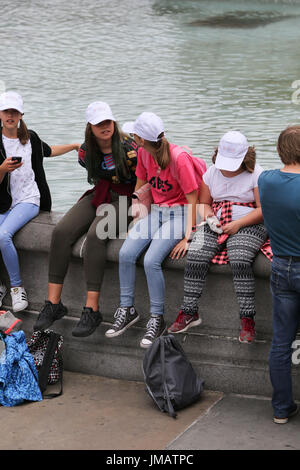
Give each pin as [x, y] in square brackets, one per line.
[81, 219]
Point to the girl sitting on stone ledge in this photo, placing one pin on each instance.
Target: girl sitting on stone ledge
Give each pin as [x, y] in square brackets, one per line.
[110, 160]
[235, 232]
[23, 186]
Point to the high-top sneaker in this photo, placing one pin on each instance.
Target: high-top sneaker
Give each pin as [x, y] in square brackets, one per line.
[18, 298]
[183, 322]
[155, 327]
[124, 318]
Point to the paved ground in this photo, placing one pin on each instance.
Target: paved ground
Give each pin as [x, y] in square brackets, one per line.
[106, 414]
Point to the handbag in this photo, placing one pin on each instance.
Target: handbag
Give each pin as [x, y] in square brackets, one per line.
[46, 349]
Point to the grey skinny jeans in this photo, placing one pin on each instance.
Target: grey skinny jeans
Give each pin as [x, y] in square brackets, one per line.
[80, 219]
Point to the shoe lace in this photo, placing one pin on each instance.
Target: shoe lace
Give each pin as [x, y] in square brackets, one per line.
[153, 326]
[120, 316]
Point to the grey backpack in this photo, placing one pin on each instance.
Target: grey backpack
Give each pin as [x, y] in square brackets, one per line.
[169, 376]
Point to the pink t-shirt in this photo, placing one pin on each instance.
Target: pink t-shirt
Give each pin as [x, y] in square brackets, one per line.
[166, 190]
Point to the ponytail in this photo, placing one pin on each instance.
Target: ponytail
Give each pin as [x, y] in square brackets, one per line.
[162, 151]
[23, 133]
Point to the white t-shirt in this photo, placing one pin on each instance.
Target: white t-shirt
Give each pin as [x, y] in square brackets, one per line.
[239, 188]
[23, 186]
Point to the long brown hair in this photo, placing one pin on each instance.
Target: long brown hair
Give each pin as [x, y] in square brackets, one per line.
[162, 151]
[23, 133]
[94, 157]
[249, 161]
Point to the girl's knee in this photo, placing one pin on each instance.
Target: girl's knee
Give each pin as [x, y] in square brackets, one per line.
[5, 238]
[126, 255]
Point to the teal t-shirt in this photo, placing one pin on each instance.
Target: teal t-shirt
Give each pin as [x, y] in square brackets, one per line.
[279, 194]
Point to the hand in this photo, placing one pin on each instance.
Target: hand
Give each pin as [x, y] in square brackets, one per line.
[180, 249]
[9, 165]
[131, 154]
[76, 147]
[232, 227]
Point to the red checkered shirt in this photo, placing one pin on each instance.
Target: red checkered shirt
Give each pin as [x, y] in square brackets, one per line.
[226, 217]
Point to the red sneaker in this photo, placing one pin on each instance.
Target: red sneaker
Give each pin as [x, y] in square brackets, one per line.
[183, 322]
[247, 333]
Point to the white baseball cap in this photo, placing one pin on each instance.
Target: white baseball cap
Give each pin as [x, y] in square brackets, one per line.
[11, 100]
[148, 126]
[232, 149]
[97, 112]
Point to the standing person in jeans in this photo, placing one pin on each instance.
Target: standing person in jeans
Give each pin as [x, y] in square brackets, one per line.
[23, 187]
[110, 160]
[280, 195]
[162, 231]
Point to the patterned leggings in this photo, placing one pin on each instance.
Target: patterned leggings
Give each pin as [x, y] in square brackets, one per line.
[242, 248]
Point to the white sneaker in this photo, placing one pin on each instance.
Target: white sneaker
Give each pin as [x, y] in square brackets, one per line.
[3, 291]
[19, 299]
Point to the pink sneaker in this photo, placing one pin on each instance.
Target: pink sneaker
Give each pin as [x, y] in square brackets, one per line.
[183, 322]
[247, 333]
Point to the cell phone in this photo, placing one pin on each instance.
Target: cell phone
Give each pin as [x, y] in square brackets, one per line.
[16, 159]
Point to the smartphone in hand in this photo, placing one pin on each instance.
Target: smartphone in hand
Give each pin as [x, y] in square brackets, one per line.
[16, 159]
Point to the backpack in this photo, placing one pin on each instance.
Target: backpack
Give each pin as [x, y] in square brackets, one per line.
[46, 349]
[169, 376]
[199, 165]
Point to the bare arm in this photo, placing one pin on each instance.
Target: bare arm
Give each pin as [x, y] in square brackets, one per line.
[180, 249]
[139, 184]
[57, 150]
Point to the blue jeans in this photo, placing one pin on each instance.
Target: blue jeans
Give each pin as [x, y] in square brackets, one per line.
[10, 222]
[285, 288]
[160, 231]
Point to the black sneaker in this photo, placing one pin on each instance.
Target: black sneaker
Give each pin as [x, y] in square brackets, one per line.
[156, 327]
[88, 322]
[49, 314]
[124, 318]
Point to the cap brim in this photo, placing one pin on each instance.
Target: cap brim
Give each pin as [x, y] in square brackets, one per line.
[229, 164]
[128, 127]
[7, 106]
[101, 118]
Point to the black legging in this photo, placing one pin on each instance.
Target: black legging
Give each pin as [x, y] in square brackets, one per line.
[82, 218]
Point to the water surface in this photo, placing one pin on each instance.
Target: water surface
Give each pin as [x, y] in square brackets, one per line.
[204, 66]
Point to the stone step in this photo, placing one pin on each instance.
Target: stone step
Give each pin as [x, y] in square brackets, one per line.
[222, 361]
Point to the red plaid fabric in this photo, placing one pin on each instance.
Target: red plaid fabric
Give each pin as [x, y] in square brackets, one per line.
[226, 217]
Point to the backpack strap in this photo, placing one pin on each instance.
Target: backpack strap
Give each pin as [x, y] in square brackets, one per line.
[47, 362]
[171, 410]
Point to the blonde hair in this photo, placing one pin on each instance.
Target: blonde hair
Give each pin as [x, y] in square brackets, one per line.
[162, 151]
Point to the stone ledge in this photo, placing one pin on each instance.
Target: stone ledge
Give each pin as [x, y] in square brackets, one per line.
[36, 236]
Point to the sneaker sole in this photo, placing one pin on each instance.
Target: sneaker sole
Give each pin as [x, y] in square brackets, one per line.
[118, 333]
[190, 325]
[146, 346]
[86, 333]
[16, 310]
[286, 420]
[245, 341]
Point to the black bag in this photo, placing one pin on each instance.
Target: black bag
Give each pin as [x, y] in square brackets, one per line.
[169, 376]
[46, 349]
